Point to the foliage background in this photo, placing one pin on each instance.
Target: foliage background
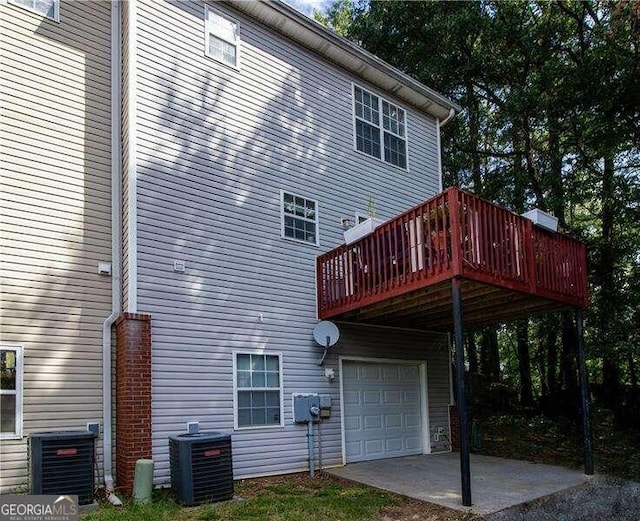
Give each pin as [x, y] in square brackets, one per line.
[551, 119]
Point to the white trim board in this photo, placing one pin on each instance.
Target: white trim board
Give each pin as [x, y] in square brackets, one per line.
[19, 391]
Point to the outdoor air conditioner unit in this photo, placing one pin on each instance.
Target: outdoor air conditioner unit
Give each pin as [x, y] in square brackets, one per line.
[62, 463]
[542, 219]
[201, 467]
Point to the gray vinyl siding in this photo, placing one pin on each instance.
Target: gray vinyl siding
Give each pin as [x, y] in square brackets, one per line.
[214, 148]
[125, 148]
[55, 216]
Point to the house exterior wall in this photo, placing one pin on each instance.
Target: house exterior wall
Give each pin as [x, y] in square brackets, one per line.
[127, 159]
[54, 214]
[214, 148]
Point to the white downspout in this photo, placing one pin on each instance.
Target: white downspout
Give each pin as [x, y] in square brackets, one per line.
[116, 255]
[439, 125]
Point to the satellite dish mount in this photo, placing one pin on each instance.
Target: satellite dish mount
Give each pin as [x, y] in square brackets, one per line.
[326, 334]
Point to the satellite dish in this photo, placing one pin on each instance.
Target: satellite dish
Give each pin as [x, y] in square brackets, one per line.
[326, 333]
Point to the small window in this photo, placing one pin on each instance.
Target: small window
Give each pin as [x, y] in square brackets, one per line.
[258, 390]
[47, 8]
[361, 217]
[380, 128]
[222, 38]
[299, 218]
[10, 391]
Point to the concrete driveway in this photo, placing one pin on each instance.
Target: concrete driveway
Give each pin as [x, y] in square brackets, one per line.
[496, 483]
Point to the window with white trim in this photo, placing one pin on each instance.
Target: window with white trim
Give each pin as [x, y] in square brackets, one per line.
[361, 217]
[258, 390]
[222, 38]
[10, 391]
[380, 127]
[47, 8]
[299, 218]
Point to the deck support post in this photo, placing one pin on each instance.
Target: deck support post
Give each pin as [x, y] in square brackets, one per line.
[461, 398]
[584, 396]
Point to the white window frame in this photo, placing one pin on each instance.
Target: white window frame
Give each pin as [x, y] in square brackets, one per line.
[361, 217]
[316, 221]
[237, 43]
[235, 354]
[380, 126]
[17, 434]
[56, 10]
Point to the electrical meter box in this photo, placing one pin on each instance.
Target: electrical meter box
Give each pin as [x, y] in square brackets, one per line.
[325, 406]
[306, 408]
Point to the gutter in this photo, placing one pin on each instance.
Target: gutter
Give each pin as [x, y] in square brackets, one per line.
[116, 231]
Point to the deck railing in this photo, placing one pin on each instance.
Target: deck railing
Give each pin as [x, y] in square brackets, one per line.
[452, 234]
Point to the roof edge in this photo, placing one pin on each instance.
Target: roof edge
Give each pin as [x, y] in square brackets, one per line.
[312, 35]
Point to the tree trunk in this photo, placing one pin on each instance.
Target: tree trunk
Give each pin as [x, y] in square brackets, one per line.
[605, 274]
[556, 174]
[568, 359]
[490, 357]
[633, 375]
[473, 106]
[472, 352]
[540, 362]
[551, 341]
[532, 171]
[524, 364]
[611, 389]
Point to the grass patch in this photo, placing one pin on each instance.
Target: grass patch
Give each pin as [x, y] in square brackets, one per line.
[293, 497]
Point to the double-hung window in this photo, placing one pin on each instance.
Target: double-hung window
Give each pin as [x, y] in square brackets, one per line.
[299, 218]
[258, 390]
[47, 8]
[11, 369]
[380, 127]
[222, 38]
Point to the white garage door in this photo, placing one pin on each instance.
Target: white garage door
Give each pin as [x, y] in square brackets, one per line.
[382, 410]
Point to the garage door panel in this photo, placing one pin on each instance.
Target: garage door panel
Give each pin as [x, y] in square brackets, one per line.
[392, 397]
[409, 372]
[372, 422]
[382, 415]
[412, 420]
[414, 444]
[354, 449]
[352, 423]
[394, 445]
[370, 373]
[351, 397]
[391, 373]
[410, 397]
[393, 421]
[371, 397]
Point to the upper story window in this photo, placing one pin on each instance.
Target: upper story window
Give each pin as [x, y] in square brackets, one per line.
[11, 369]
[380, 128]
[222, 38]
[299, 218]
[258, 390]
[48, 8]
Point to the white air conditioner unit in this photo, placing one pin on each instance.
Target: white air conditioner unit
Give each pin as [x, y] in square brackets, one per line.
[361, 230]
[542, 219]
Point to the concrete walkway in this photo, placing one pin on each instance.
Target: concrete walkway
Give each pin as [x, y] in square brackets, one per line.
[496, 483]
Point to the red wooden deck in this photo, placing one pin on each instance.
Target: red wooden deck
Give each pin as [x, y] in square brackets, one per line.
[401, 274]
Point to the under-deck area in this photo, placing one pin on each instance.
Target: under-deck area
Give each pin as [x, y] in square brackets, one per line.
[452, 262]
